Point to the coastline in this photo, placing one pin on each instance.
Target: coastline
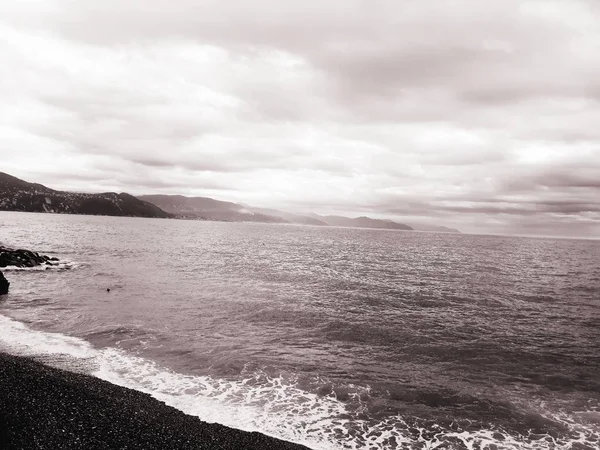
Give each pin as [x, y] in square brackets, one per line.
[47, 408]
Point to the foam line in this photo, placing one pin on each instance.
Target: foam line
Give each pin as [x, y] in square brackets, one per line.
[270, 405]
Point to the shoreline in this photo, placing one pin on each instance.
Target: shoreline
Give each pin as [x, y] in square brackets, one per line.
[44, 407]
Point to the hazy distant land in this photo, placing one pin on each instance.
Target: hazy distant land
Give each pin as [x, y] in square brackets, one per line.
[20, 195]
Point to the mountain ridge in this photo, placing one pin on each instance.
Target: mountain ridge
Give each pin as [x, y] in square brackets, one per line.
[206, 208]
[365, 222]
[20, 195]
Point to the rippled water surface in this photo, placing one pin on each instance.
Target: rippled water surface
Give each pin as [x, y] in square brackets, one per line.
[335, 338]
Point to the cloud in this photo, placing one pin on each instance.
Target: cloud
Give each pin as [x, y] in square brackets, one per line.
[480, 115]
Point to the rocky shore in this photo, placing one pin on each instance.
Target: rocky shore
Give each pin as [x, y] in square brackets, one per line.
[23, 258]
[20, 258]
[4, 284]
[46, 408]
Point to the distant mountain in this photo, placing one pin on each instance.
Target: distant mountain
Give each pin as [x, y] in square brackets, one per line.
[290, 217]
[205, 208]
[179, 204]
[363, 222]
[434, 228]
[20, 195]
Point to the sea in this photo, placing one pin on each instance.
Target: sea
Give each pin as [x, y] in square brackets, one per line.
[335, 338]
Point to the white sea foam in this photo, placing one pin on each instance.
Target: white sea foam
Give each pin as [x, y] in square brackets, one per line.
[271, 405]
[17, 338]
[56, 265]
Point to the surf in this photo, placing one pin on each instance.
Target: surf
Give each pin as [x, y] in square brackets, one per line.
[273, 405]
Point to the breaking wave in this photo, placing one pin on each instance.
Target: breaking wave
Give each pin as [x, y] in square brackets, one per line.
[275, 405]
[59, 266]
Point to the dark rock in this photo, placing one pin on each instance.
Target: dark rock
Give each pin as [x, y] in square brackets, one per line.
[4, 284]
[4, 259]
[22, 258]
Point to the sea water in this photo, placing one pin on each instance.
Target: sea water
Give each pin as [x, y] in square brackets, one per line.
[330, 337]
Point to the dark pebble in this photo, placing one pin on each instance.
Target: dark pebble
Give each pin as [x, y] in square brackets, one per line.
[47, 408]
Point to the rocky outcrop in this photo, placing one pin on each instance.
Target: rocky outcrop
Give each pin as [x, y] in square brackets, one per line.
[24, 258]
[4, 284]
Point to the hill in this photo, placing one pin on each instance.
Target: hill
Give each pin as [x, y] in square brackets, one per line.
[433, 228]
[20, 195]
[364, 222]
[290, 217]
[205, 208]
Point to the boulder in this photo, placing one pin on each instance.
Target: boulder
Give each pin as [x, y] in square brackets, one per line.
[4, 259]
[4, 284]
[22, 258]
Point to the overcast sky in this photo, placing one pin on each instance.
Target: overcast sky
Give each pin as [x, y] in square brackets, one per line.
[483, 115]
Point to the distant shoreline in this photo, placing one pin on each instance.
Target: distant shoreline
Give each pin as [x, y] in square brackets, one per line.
[190, 219]
[21, 195]
[47, 408]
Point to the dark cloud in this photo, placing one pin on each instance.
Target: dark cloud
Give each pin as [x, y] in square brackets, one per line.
[152, 162]
[585, 178]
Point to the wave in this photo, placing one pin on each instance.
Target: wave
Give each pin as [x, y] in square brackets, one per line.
[116, 331]
[275, 405]
[59, 265]
[121, 335]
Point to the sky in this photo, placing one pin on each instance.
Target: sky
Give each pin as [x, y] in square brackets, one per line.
[479, 115]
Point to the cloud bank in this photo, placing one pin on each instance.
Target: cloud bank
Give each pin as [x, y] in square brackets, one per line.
[478, 115]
